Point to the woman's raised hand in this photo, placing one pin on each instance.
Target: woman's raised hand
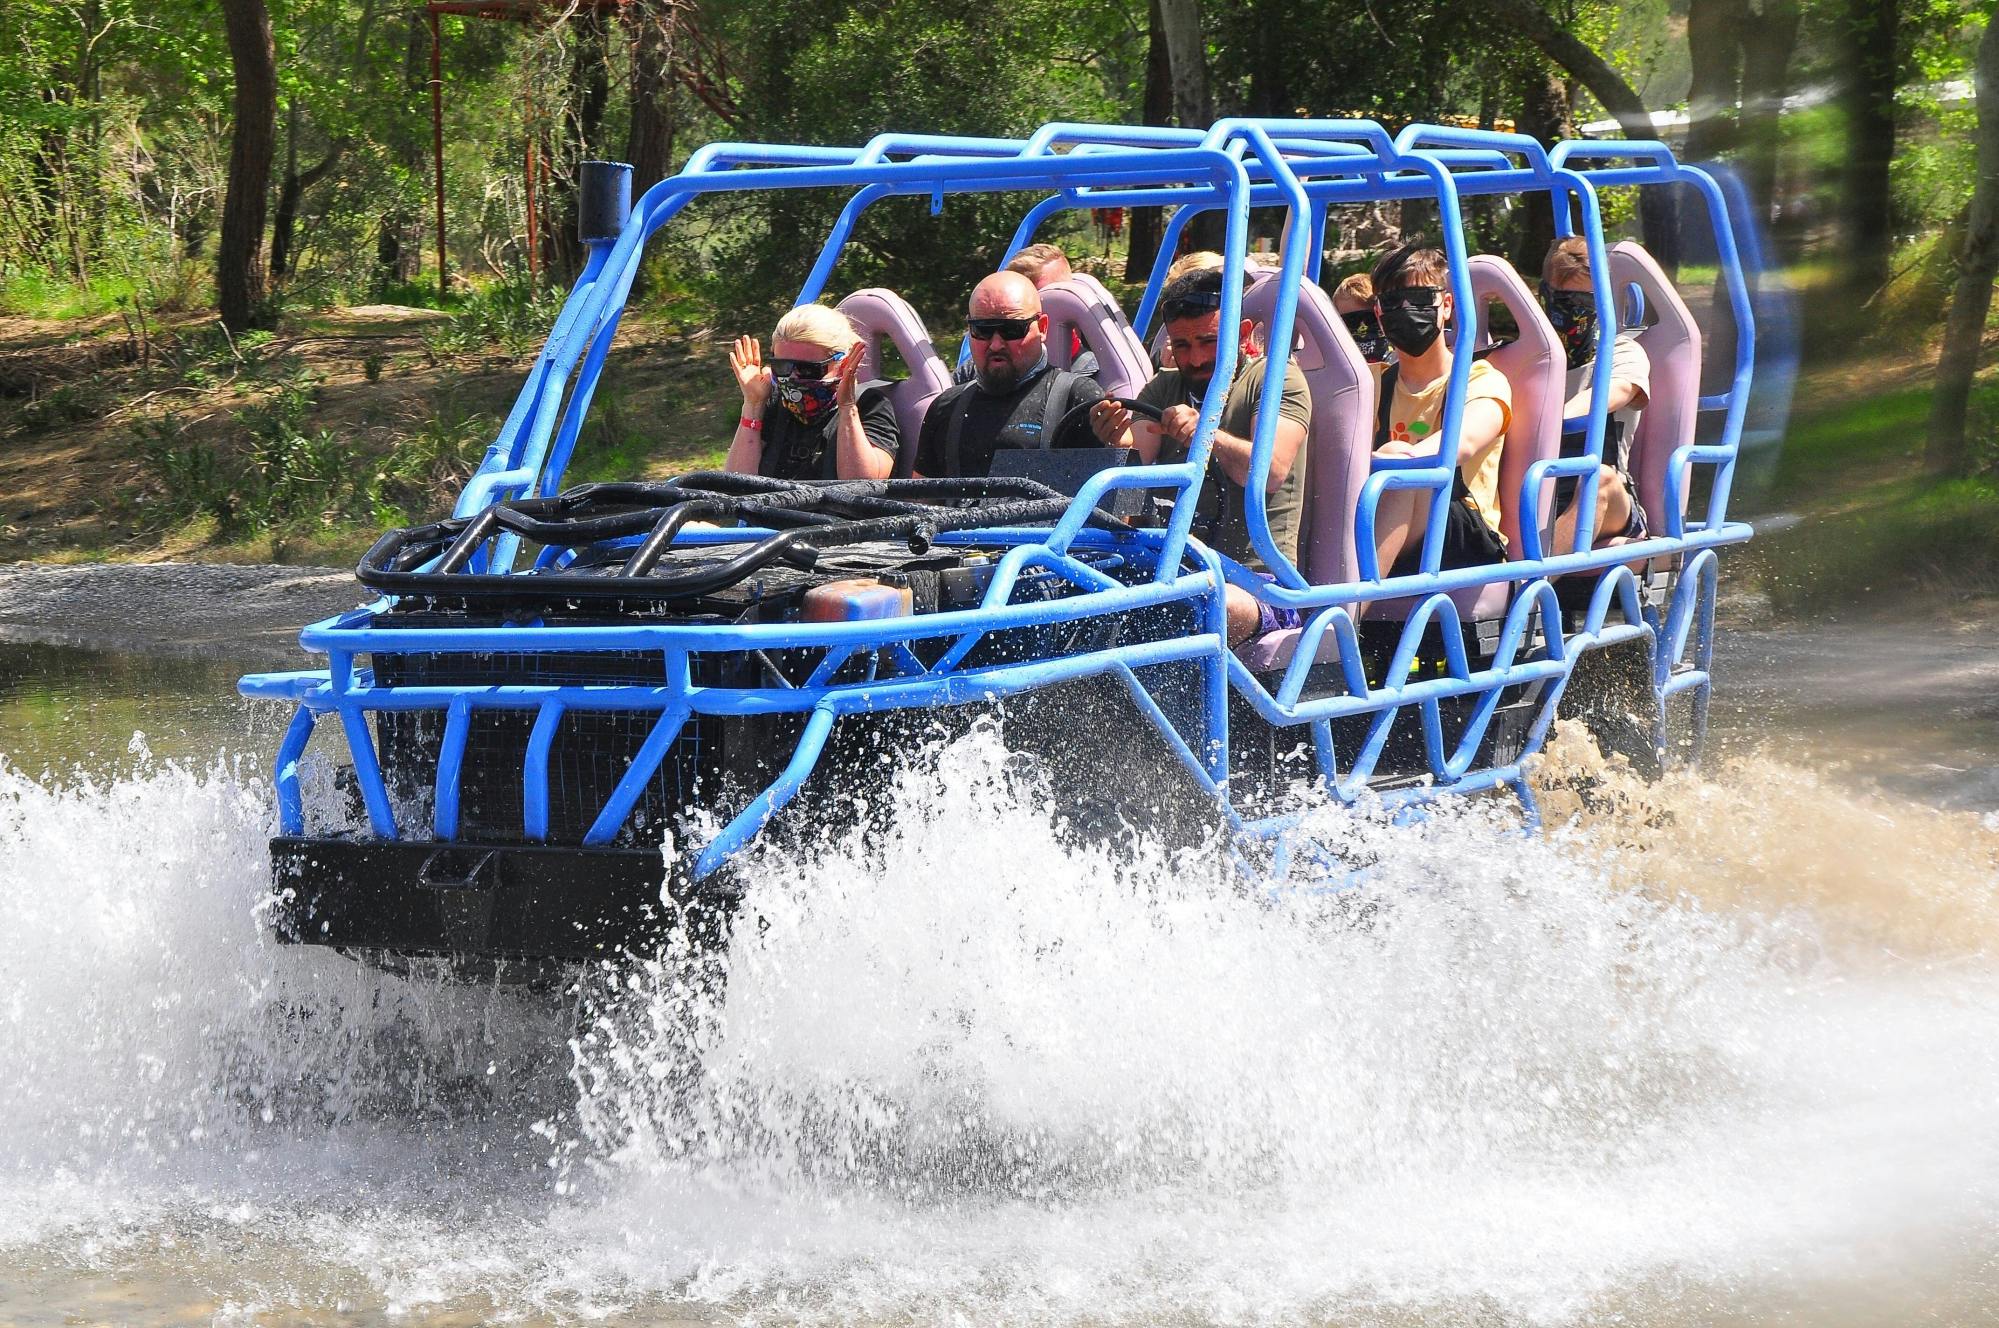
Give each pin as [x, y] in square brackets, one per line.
[846, 390]
[746, 359]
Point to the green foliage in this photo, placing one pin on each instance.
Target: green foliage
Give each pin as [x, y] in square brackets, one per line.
[513, 313]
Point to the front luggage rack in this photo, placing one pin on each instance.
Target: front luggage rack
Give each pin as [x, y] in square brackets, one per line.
[804, 516]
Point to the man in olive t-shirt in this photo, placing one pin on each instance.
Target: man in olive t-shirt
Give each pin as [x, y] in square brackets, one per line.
[1191, 307]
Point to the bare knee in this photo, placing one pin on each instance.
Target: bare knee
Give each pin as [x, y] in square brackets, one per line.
[1243, 613]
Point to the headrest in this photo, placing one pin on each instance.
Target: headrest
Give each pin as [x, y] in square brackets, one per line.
[1081, 303]
[877, 313]
[1673, 345]
[1341, 440]
[1537, 372]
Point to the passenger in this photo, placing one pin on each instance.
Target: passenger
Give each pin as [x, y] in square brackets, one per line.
[1192, 308]
[1044, 265]
[1566, 294]
[1015, 397]
[1353, 301]
[1414, 305]
[1198, 260]
[804, 417]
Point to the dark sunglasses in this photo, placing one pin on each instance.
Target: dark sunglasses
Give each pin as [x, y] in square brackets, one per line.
[1191, 306]
[1012, 329]
[805, 371]
[1409, 297]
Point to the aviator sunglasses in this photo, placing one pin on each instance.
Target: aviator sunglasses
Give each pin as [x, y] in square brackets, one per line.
[1012, 329]
[805, 371]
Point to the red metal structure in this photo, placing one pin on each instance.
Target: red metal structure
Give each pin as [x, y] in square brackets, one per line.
[698, 62]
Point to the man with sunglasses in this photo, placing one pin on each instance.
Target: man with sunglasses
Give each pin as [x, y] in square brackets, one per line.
[1015, 398]
[1191, 307]
[1570, 300]
[1414, 305]
[805, 415]
[1044, 265]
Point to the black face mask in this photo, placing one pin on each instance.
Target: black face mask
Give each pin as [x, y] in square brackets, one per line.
[1367, 335]
[1573, 315]
[1409, 326]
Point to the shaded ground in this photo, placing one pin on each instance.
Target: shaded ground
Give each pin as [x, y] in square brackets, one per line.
[74, 398]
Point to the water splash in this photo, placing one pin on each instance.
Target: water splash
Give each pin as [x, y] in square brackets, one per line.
[974, 1071]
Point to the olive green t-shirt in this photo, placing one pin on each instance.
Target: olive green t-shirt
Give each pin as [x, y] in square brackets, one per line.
[1228, 530]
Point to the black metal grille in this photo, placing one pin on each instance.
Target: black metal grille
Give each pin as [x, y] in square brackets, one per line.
[590, 754]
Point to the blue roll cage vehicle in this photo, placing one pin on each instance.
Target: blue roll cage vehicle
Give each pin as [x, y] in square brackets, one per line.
[552, 680]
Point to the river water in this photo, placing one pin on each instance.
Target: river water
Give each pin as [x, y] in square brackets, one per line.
[1719, 1050]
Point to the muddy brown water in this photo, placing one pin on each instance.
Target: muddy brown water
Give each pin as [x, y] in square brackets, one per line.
[1725, 1057]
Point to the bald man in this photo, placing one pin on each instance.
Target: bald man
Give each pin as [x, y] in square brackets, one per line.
[1014, 398]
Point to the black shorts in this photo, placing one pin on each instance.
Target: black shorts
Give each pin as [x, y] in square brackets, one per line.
[1468, 540]
[1634, 525]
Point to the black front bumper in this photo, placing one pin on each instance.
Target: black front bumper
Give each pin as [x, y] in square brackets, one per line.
[469, 901]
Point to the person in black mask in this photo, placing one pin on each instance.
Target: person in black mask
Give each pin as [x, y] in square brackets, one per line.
[1567, 295]
[805, 415]
[1353, 301]
[1412, 299]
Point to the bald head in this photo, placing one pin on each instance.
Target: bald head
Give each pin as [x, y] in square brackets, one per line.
[1006, 308]
[1005, 295]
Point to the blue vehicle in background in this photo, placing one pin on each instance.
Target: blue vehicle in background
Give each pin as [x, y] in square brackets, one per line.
[554, 681]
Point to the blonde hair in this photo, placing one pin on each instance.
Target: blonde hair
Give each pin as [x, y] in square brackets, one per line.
[816, 325]
[1030, 261]
[1568, 260]
[1198, 261]
[1358, 287]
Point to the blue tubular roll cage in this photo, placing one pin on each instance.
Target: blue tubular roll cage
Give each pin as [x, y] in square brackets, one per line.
[1303, 166]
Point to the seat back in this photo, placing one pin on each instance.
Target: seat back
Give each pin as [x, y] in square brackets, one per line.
[1341, 439]
[1673, 344]
[1537, 372]
[877, 313]
[1080, 303]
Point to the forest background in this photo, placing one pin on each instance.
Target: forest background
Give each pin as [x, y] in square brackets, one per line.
[223, 331]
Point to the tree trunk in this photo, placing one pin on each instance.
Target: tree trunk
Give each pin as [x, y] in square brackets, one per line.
[1269, 81]
[1146, 223]
[1193, 107]
[1544, 106]
[291, 193]
[1657, 209]
[1187, 53]
[1949, 451]
[239, 273]
[1714, 49]
[649, 146]
[1768, 44]
[1869, 99]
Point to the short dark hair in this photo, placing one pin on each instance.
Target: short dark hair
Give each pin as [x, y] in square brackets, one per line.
[1202, 282]
[1414, 263]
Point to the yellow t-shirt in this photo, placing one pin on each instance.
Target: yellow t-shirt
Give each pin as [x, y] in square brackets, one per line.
[1413, 417]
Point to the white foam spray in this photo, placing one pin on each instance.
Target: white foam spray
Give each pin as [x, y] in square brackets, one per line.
[972, 1071]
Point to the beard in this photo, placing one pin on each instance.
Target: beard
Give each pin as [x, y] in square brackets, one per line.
[998, 377]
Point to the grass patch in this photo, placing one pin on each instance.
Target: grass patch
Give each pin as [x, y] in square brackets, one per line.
[1828, 449]
[1905, 538]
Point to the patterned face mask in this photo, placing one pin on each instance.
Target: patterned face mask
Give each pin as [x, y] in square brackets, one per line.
[1573, 314]
[809, 400]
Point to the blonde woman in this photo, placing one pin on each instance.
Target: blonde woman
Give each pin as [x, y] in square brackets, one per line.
[805, 416]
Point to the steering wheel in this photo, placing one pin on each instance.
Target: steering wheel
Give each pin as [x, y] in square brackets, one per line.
[1138, 408]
